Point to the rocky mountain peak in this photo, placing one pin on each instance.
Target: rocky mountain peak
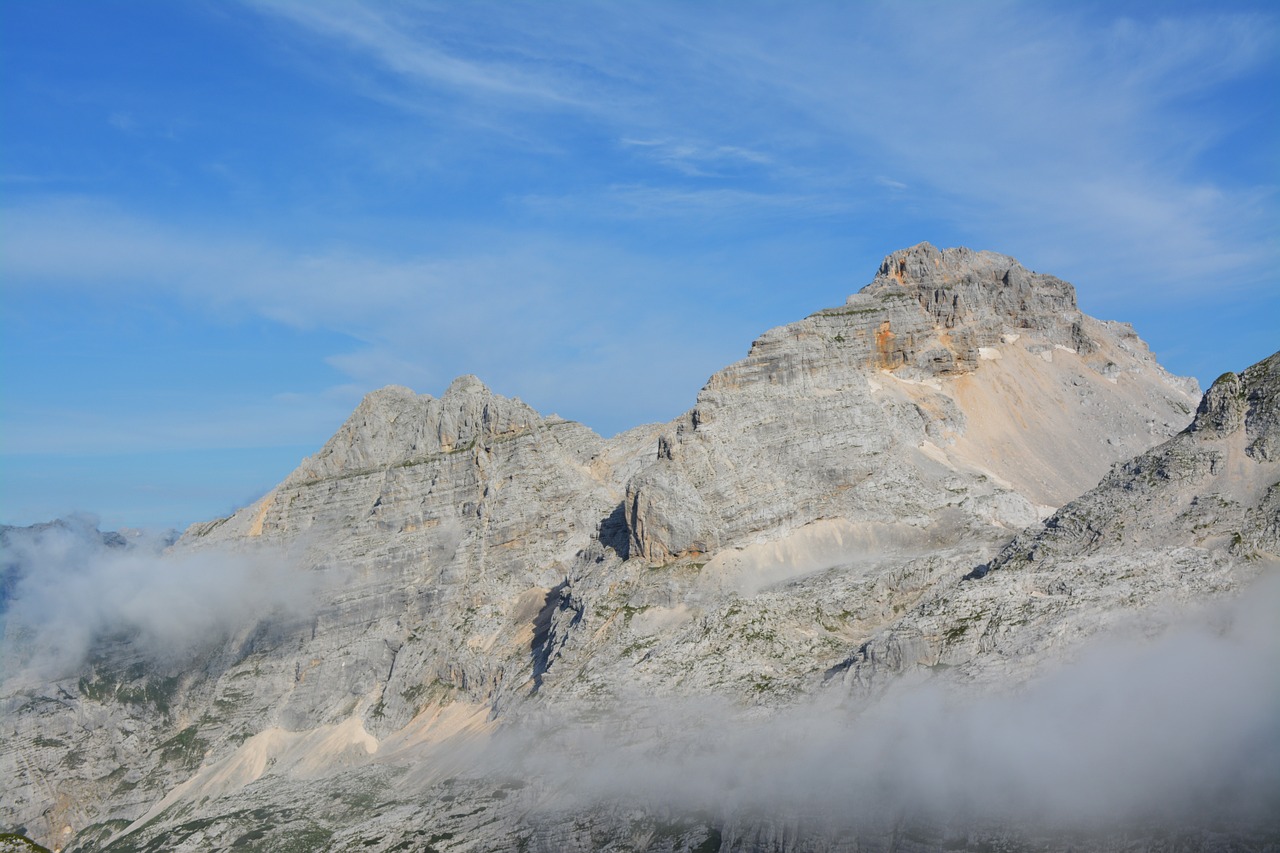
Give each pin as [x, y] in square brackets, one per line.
[467, 385]
[808, 533]
[937, 373]
[1249, 400]
[393, 425]
[980, 291]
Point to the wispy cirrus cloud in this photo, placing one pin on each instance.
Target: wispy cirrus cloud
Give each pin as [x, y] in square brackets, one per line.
[1062, 134]
[1065, 137]
[697, 160]
[725, 204]
[403, 40]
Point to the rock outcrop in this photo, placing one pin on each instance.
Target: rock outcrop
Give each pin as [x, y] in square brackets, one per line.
[438, 531]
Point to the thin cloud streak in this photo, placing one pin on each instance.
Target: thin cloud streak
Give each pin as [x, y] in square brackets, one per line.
[380, 34]
[576, 312]
[651, 202]
[279, 421]
[1016, 142]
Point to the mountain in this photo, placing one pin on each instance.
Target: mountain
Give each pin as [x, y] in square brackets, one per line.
[462, 625]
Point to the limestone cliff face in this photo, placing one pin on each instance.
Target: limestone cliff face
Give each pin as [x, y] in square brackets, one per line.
[956, 380]
[445, 525]
[884, 491]
[1216, 485]
[436, 531]
[404, 463]
[1190, 520]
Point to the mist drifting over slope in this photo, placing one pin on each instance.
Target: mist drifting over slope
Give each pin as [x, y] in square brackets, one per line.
[66, 586]
[1179, 731]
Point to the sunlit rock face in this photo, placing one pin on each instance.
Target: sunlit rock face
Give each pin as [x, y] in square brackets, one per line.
[467, 626]
[957, 388]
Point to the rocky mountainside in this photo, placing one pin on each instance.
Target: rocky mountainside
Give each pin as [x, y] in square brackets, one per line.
[952, 372]
[464, 626]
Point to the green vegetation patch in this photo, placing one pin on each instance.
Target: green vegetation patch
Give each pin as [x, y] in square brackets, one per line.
[12, 842]
[185, 749]
[106, 687]
[962, 626]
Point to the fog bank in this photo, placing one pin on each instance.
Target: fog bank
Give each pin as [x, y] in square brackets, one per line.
[1178, 731]
[65, 586]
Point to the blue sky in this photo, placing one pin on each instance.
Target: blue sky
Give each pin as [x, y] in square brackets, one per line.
[222, 223]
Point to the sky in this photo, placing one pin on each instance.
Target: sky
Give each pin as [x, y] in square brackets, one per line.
[222, 223]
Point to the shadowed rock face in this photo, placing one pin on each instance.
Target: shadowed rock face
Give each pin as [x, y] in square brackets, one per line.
[809, 531]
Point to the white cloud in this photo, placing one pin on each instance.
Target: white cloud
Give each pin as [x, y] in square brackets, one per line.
[1027, 133]
[398, 40]
[65, 591]
[697, 159]
[657, 202]
[890, 183]
[280, 420]
[1179, 731]
[122, 121]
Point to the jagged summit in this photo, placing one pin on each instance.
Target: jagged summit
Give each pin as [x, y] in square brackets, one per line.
[466, 384]
[952, 372]
[948, 305]
[393, 425]
[958, 287]
[393, 439]
[1252, 400]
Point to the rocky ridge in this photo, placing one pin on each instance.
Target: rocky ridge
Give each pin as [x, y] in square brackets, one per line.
[811, 526]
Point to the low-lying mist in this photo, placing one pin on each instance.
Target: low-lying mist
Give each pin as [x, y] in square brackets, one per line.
[65, 586]
[1179, 731]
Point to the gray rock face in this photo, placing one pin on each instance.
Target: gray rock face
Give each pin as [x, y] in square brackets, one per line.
[448, 524]
[968, 300]
[1211, 486]
[807, 533]
[952, 373]
[436, 530]
[1192, 519]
